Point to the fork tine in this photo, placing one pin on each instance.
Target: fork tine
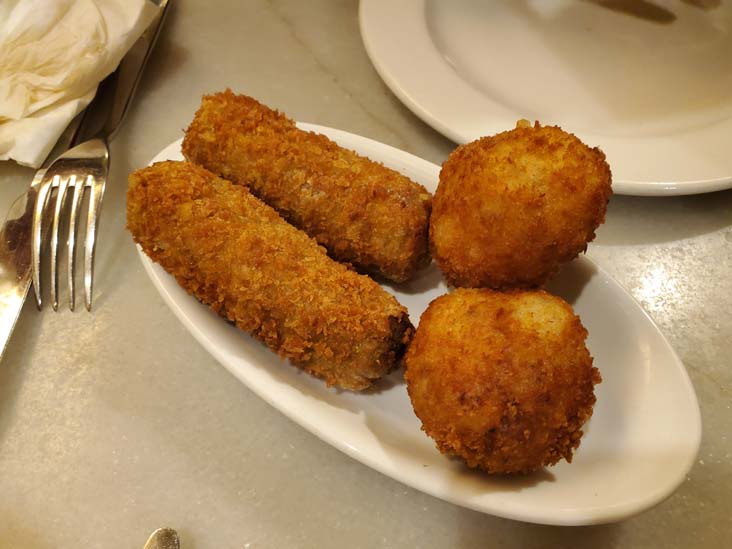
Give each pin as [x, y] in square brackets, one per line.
[92, 225]
[60, 196]
[73, 224]
[39, 208]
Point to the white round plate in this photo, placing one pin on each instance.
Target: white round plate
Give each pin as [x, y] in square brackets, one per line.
[637, 448]
[651, 88]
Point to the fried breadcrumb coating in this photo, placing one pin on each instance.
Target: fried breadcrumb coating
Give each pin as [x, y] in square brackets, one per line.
[509, 209]
[503, 380]
[237, 255]
[362, 212]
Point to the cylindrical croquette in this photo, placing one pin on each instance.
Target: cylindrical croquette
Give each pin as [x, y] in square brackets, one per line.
[237, 255]
[362, 212]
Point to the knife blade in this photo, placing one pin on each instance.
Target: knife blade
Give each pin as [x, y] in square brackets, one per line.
[15, 259]
[101, 117]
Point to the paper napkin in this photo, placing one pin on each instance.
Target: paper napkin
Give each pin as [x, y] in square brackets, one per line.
[53, 54]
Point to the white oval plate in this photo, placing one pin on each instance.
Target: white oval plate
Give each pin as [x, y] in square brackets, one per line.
[638, 446]
[653, 93]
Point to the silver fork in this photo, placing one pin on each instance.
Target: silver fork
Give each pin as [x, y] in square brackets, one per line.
[86, 166]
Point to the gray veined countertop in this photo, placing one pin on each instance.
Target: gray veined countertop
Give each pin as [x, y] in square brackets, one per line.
[115, 423]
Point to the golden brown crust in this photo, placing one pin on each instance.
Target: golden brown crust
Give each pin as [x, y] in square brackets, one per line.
[237, 255]
[503, 380]
[362, 212]
[510, 208]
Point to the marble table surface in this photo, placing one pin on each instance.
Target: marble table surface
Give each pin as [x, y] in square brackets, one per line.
[117, 422]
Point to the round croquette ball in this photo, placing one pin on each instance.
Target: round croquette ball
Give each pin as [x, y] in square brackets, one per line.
[509, 209]
[502, 380]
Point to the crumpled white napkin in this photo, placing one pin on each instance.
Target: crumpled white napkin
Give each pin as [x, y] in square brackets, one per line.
[53, 54]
